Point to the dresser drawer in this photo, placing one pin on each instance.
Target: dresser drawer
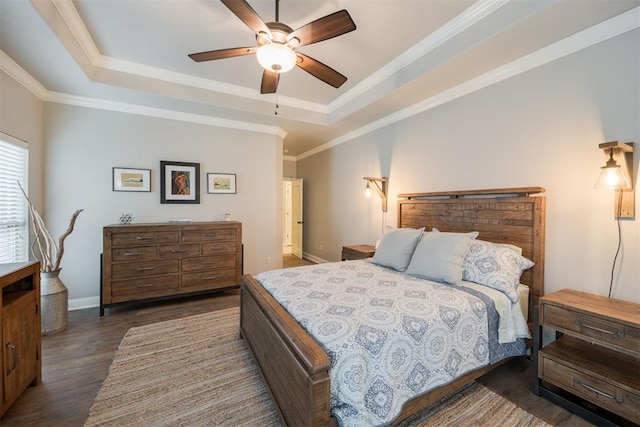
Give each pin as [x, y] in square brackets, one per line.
[210, 279]
[215, 248]
[209, 263]
[623, 336]
[209, 235]
[143, 253]
[124, 290]
[143, 269]
[599, 392]
[178, 251]
[144, 238]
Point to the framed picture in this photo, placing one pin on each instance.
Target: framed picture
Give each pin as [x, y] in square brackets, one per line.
[221, 183]
[129, 179]
[179, 182]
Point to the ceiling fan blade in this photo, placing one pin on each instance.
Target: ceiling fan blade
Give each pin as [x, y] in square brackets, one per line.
[242, 10]
[222, 53]
[336, 24]
[269, 82]
[321, 71]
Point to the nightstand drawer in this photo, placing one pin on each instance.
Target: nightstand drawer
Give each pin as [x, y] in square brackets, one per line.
[602, 393]
[623, 336]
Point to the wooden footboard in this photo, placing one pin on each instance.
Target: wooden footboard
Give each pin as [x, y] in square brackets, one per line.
[294, 367]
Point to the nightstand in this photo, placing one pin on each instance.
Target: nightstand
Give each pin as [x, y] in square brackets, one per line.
[357, 252]
[593, 366]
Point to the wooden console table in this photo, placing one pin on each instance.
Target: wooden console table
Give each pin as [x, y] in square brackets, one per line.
[20, 330]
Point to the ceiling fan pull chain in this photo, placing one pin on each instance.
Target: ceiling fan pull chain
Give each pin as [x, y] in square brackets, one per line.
[277, 106]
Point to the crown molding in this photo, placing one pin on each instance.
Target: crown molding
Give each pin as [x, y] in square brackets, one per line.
[606, 30]
[457, 25]
[122, 107]
[68, 12]
[18, 74]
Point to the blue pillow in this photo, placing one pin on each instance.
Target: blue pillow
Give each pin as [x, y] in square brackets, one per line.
[396, 248]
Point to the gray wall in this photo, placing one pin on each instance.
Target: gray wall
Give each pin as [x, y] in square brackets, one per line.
[21, 117]
[82, 145]
[540, 128]
[289, 169]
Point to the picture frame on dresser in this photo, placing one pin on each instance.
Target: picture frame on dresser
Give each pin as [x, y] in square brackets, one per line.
[131, 179]
[221, 183]
[179, 182]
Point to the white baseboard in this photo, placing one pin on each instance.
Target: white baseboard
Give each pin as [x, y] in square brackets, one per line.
[314, 258]
[80, 303]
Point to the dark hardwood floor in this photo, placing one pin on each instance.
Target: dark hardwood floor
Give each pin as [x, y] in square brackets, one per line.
[76, 361]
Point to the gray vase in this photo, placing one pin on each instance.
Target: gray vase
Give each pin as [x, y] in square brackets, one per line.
[54, 302]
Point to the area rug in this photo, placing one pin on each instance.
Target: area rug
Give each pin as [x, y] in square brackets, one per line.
[196, 371]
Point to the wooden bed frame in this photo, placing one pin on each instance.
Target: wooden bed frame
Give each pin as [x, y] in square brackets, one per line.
[296, 369]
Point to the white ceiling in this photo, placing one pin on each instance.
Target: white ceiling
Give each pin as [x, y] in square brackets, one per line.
[404, 56]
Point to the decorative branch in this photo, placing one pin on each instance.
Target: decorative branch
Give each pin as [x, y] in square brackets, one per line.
[64, 236]
[47, 246]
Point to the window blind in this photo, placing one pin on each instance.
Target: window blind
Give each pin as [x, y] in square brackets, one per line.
[14, 227]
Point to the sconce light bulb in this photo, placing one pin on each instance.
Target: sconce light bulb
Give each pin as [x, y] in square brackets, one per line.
[367, 191]
[612, 180]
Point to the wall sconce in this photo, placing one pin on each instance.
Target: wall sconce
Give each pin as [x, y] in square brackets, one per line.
[381, 189]
[617, 174]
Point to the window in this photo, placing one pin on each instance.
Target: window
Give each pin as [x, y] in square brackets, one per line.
[14, 227]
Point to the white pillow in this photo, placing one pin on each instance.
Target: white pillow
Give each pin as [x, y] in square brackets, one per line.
[440, 256]
[498, 266]
[396, 247]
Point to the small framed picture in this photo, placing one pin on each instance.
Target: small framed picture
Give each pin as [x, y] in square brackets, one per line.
[179, 182]
[221, 183]
[129, 179]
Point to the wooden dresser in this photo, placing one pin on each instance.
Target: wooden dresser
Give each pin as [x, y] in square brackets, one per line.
[158, 261]
[595, 357]
[20, 332]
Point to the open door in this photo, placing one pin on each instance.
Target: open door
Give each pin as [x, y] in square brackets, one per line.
[296, 218]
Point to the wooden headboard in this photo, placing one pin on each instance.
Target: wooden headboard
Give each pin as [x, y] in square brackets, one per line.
[509, 215]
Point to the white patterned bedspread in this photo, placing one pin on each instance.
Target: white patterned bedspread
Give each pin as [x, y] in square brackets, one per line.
[390, 336]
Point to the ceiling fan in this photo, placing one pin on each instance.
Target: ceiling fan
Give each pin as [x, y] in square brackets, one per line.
[277, 44]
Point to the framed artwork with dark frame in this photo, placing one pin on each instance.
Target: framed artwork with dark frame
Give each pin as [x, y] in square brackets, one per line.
[179, 182]
[131, 179]
[221, 183]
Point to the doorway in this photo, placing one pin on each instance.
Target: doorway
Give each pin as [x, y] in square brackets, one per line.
[293, 217]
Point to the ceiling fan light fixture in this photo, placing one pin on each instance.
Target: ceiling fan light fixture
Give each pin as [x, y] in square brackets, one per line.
[276, 57]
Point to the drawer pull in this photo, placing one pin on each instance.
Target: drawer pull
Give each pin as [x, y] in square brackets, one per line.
[604, 331]
[133, 253]
[209, 278]
[14, 356]
[177, 251]
[145, 238]
[146, 268]
[208, 235]
[148, 285]
[618, 399]
[207, 262]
